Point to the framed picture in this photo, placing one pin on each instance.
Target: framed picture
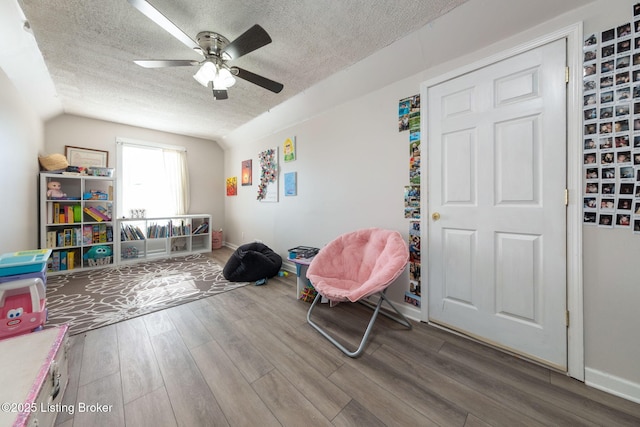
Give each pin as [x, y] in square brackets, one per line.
[247, 172]
[78, 156]
[289, 147]
[232, 186]
[290, 184]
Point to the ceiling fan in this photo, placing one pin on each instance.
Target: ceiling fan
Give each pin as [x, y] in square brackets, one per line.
[216, 50]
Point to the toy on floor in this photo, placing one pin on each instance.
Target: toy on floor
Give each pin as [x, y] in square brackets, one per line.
[308, 293]
[22, 306]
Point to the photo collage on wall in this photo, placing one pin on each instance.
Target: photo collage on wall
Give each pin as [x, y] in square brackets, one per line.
[409, 120]
[268, 186]
[611, 113]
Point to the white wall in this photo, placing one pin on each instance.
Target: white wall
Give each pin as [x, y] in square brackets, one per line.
[611, 272]
[204, 157]
[20, 142]
[353, 163]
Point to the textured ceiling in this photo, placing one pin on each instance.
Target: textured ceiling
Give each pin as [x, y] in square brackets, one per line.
[89, 48]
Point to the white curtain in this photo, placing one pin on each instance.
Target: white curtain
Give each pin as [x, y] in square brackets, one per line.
[175, 166]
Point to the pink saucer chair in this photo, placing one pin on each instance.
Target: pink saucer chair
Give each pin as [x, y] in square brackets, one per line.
[357, 265]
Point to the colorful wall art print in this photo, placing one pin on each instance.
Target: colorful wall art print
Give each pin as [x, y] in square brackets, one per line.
[268, 187]
[232, 186]
[290, 184]
[289, 149]
[247, 172]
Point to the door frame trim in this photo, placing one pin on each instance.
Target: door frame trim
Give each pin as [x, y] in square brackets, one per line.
[573, 36]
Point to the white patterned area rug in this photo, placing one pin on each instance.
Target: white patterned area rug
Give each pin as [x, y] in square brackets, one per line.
[91, 299]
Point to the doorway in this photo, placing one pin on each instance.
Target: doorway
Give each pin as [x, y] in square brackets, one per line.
[499, 266]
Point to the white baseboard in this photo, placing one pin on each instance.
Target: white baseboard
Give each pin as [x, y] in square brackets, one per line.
[612, 384]
[408, 310]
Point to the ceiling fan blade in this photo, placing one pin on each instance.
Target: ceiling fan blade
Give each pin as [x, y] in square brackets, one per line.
[161, 63]
[157, 17]
[258, 80]
[220, 94]
[252, 39]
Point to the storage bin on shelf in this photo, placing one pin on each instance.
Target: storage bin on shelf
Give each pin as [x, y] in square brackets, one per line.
[94, 262]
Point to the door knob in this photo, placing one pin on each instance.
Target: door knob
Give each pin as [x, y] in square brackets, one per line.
[435, 216]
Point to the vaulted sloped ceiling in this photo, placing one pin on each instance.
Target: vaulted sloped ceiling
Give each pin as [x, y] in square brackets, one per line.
[89, 48]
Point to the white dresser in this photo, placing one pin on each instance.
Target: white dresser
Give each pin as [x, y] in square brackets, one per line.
[33, 375]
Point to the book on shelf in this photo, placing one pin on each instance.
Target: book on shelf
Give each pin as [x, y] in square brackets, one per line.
[156, 231]
[130, 232]
[63, 260]
[52, 239]
[67, 237]
[87, 234]
[77, 213]
[96, 214]
[102, 213]
[183, 229]
[202, 228]
[68, 214]
[56, 213]
[55, 261]
[105, 210]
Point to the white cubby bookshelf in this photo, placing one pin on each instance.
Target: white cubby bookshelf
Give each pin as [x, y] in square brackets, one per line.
[69, 229]
[148, 238]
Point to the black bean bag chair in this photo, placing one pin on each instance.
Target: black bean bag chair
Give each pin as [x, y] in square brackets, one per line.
[252, 262]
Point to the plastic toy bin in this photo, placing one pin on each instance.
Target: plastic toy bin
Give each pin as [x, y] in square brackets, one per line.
[42, 275]
[23, 262]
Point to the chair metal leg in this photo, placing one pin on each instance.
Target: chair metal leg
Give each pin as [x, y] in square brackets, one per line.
[401, 319]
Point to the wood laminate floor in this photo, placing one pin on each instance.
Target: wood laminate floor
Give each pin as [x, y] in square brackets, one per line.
[249, 358]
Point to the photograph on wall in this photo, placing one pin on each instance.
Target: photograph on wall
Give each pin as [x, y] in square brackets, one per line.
[247, 172]
[232, 186]
[414, 148]
[413, 296]
[414, 170]
[414, 241]
[289, 149]
[412, 201]
[290, 184]
[268, 187]
[611, 125]
[409, 114]
[404, 108]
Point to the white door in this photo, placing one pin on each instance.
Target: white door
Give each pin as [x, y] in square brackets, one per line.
[497, 214]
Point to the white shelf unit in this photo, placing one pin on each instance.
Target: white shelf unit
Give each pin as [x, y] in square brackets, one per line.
[71, 232]
[147, 238]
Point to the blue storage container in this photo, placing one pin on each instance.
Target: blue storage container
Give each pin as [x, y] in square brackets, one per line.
[23, 262]
[42, 275]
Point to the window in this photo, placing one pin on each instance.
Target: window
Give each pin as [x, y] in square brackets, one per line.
[152, 177]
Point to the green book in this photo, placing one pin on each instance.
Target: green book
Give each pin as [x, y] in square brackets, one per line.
[77, 213]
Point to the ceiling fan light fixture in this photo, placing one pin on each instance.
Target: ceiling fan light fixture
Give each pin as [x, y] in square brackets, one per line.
[206, 73]
[209, 72]
[223, 79]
